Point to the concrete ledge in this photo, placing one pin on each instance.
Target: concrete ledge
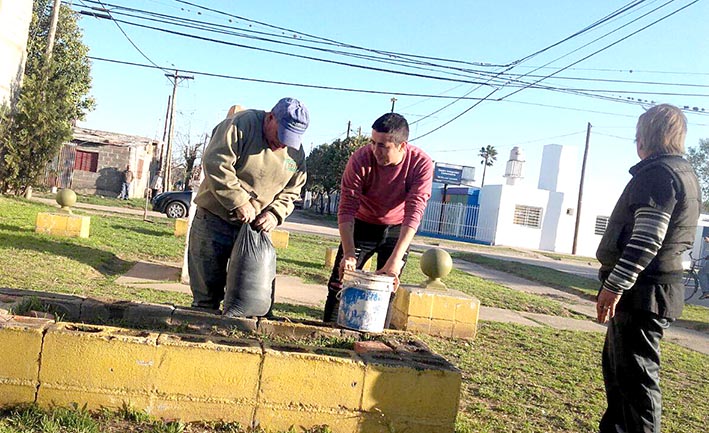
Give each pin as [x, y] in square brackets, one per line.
[63, 224]
[398, 384]
[447, 313]
[181, 226]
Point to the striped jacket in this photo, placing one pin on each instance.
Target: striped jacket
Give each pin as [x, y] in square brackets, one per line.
[653, 223]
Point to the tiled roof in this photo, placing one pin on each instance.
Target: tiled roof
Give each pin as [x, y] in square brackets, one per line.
[83, 135]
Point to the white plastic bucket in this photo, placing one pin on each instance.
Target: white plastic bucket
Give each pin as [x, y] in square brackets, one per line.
[364, 301]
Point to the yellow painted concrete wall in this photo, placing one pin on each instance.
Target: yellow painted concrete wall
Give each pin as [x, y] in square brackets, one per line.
[448, 313]
[194, 377]
[63, 224]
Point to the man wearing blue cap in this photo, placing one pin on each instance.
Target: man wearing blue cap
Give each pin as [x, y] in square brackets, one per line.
[254, 169]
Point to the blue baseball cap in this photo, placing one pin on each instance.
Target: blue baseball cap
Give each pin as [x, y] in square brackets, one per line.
[293, 120]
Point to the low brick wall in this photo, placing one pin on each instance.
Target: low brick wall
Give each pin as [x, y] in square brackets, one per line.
[254, 380]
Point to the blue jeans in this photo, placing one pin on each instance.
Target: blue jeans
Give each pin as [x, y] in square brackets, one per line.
[125, 186]
[631, 373]
[210, 246]
[211, 242]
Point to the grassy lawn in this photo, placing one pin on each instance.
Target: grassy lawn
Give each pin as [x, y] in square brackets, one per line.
[31, 419]
[519, 379]
[515, 378]
[694, 316]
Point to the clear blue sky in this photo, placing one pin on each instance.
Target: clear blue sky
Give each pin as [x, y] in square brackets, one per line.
[133, 100]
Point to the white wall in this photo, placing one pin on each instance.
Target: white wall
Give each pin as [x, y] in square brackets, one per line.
[559, 171]
[503, 199]
[15, 16]
[558, 229]
[489, 201]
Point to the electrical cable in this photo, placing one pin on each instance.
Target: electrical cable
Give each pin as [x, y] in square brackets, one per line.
[128, 37]
[560, 70]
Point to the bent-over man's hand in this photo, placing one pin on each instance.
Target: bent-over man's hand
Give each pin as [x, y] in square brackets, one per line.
[392, 268]
[605, 305]
[348, 262]
[267, 221]
[244, 213]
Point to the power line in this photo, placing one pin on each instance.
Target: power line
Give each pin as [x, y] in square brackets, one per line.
[559, 70]
[521, 83]
[388, 53]
[511, 82]
[604, 80]
[607, 18]
[218, 28]
[630, 71]
[370, 68]
[610, 45]
[283, 83]
[616, 13]
[126, 36]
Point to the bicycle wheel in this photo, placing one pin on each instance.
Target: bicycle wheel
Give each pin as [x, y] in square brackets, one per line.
[691, 286]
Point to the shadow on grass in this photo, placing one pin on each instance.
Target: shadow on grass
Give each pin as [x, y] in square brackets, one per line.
[15, 229]
[141, 230]
[106, 263]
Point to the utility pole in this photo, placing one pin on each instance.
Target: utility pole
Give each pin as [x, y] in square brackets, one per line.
[393, 101]
[176, 79]
[52, 29]
[161, 161]
[349, 124]
[578, 205]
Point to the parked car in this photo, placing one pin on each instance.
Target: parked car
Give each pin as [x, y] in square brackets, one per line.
[174, 204]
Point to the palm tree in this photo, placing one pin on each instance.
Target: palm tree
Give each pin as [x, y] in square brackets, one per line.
[489, 156]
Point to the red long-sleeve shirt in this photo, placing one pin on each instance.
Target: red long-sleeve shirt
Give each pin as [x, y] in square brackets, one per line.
[389, 195]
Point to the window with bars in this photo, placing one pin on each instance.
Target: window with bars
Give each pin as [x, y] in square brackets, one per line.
[528, 216]
[601, 224]
[86, 161]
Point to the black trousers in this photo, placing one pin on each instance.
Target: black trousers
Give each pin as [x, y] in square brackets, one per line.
[631, 373]
[369, 239]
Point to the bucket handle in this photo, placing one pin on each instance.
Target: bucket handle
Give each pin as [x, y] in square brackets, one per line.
[339, 294]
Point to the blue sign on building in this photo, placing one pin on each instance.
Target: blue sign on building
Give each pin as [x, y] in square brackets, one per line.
[448, 174]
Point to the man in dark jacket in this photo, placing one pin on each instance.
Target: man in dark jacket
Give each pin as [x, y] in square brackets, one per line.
[653, 222]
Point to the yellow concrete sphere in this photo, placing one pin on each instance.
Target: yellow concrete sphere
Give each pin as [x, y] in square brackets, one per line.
[66, 198]
[436, 263]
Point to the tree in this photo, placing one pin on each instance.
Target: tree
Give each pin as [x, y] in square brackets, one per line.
[53, 96]
[489, 156]
[185, 161]
[699, 158]
[327, 162]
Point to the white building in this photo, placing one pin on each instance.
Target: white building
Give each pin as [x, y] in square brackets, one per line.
[15, 17]
[536, 218]
[544, 217]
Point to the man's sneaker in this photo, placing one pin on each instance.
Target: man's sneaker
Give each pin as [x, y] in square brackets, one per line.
[705, 295]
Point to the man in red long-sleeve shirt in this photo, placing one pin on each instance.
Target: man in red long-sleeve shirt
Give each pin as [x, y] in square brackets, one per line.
[384, 192]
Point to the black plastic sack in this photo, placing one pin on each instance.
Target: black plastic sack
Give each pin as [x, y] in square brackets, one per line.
[252, 269]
